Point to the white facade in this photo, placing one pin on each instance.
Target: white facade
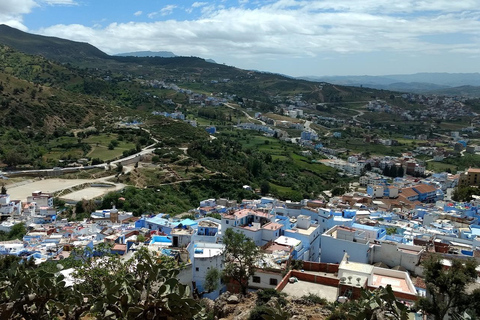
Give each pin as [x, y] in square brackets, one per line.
[204, 257]
[265, 279]
[396, 254]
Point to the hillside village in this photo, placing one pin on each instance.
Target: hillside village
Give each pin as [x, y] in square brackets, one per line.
[359, 239]
[380, 172]
[376, 232]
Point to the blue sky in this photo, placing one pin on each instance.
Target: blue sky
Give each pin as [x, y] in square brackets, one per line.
[298, 38]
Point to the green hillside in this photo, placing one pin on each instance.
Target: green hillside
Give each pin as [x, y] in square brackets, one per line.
[188, 72]
[49, 47]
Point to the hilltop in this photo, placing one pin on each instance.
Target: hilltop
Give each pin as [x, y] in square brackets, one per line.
[191, 72]
[49, 47]
[162, 54]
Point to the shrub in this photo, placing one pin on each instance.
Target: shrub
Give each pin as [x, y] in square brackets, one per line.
[314, 299]
[258, 313]
[263, 296]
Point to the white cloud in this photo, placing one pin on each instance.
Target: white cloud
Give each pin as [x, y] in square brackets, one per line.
[138, 13]
[165, 11]
[12, 11]
[195, 5]
[290, 28]
[199, 4]
[60, 2]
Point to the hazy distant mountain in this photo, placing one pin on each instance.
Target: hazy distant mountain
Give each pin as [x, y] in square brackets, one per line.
[439, 79]
[143, 54]
[419, 82]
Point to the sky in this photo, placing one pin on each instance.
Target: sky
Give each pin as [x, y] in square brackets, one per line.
[296, 38]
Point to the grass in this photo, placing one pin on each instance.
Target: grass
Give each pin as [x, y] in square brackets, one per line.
[99, 144]
[59, 148]
[278, 117]
[440, 166]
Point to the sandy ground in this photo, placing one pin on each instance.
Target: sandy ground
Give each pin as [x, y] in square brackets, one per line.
[90, 193]
[22, 191]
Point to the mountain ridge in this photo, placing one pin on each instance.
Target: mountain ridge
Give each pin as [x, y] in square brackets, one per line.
[48, 47]
[143, 54]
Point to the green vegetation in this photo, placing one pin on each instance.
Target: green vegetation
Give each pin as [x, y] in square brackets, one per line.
[212, 279]
[447, 288]
[16, 233]
[312, 298]
[441, 166]
[174, 198]
[264, 296]
[144, 287]
[463, 163]
[241, 254]
[465, 193]
[248, 157]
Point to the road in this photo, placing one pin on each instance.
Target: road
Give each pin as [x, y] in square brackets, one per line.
[359, 114]
[21, 190]
[249, 117]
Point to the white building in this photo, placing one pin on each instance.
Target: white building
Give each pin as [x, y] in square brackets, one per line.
[205, 257]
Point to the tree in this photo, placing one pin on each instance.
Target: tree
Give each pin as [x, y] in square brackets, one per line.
[241, 254]
[4, 190]
[265, 188]
[400, 172]
[379, 304]
[446, 288]
[211, 280]
[465, 193]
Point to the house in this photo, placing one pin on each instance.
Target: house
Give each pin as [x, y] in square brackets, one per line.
[41, 199]
[309, 233]
[205, 257]
[9, 207]
[256, 225]
[471, 177]
[340, 240]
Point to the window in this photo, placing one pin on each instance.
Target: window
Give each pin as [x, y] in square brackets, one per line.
[197, 269]
[226, 222]
[256, 279]
[273, 282]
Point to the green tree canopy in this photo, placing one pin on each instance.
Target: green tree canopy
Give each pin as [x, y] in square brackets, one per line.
[446, 287]
[241, 254]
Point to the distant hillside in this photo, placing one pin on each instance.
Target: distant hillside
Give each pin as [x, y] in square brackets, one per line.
[439, 79]
[34, 94]
[49, 47]
[162, 54]
[471, 91]
[108, 76]
[417, 83]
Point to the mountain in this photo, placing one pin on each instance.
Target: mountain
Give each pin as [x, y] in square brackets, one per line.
[162, 54]
[33, 94]
[418, 83]
[109, 77]
[49, 47]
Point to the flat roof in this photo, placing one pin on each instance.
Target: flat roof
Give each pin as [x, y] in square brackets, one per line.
[207, 252]
[302, 288]
[272, 226]
[308, 231]
[398, 284]
[288, 241]
[355, 266]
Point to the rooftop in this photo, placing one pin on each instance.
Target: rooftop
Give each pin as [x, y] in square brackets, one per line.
[272, 226]
[398, 284]
[207, 252]
[302, 288]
